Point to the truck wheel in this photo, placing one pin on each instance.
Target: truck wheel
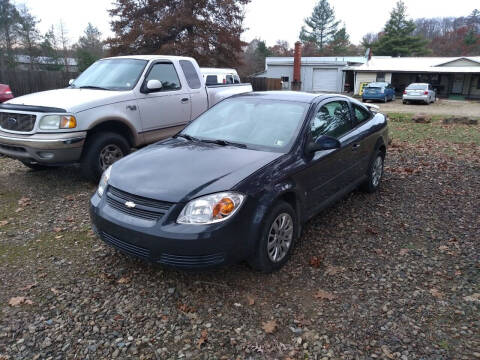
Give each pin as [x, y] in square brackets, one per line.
[100, 151]
[276, 239]
[36, 166]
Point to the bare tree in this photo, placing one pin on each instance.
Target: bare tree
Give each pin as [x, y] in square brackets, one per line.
[64, 42]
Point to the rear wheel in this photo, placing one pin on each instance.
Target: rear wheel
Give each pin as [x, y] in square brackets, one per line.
[375, 173]
[276, 240]
[102, 150]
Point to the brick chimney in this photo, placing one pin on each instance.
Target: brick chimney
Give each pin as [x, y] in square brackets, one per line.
[297, 63]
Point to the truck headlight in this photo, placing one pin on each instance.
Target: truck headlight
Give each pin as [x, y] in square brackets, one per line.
[102, 185]
[211, 209]
[55, 122]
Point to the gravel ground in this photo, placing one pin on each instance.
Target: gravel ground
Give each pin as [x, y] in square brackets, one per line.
[440, 107]
[393, 275]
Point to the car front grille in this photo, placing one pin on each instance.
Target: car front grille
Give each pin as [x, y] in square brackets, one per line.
[17, 122]
[191, 261]
[143, 208]
[125, 246]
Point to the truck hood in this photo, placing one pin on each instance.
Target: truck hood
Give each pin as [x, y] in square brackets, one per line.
[72, 100]
[177, 170]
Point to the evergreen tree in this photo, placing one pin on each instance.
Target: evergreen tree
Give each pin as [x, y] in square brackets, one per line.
[340, 44]
[321, 27]
[397, 38]
[9, 20]
[29, 34]
[49, 49]
[89, 47]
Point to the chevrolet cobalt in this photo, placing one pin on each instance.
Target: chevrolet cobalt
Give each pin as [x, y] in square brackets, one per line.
[239, 182]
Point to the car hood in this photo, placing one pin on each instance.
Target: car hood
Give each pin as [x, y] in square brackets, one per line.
[72, 100]
[177, 170]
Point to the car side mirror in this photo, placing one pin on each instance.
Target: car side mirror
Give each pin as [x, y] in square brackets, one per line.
[323, 143]
[70, 82]
[154, 85]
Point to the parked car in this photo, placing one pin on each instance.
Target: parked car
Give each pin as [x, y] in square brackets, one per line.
[217, 76]
[380, 91]
[5, 93]
[419, 92]
[239, 182]
[116, 104]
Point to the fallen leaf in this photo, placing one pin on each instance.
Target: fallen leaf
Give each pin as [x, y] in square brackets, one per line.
[24, 201]
[250, 300]
[371, 231]
[123, 280]
[202, 339]
[443, 248]
[57, 229]
[185, 308]
[437, 293]
[270, 326]
[19, 210]
[55, 291]
[3, 223]
[58, 237]
[333, 270]
[474, 297]
[28, 287]
[403, 252]
[325, 295]
[19, 300]
[315, 262]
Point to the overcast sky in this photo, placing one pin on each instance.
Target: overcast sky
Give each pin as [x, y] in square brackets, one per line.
[270, 20]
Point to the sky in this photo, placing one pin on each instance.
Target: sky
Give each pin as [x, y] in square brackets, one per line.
[269, 20]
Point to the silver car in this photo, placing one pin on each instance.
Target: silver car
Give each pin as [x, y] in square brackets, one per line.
[420, 92]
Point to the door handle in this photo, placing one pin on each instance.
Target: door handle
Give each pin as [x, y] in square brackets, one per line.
[355, 146]
[184, 100]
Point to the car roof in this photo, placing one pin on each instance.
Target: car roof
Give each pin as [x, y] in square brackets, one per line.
[298, 96]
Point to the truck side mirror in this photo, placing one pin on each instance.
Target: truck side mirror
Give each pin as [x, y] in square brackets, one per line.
[154, 85]
[70, 82]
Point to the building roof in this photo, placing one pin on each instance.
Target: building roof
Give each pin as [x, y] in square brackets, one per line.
[323, 60]
[44, 60]
[420, 64]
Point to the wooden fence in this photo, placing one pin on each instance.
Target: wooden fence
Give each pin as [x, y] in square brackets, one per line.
[264, 84]
[25, 82]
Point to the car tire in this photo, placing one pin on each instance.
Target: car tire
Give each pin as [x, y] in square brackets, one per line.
[404, 102]
[385, 99]
[375, 173]
[101, 150]
[272, 242]
[36, 166]
[393, 97]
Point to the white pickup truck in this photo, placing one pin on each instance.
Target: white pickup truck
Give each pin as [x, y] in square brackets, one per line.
[116, 104]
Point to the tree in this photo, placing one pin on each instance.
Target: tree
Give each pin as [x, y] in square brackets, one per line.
[398, 38]
[281, 48]
[29, 34]
[49, 49]
[9, 19]
[368, 40]
[208, 30]
[321, 27]
[340, 44]
[89, 47]
[64, 42]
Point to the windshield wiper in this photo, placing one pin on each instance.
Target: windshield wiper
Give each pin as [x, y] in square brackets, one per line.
[226, 143]
[186, 136]
[92, 87]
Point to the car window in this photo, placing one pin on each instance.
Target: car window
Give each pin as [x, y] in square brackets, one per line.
[229, 79]
[190, 74]
[166, 74]
[211, 80]
[332, 119]
[236, 79]
[360, 114]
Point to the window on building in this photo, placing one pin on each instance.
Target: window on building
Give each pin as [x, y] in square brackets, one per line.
[285, 79]
[380, 77]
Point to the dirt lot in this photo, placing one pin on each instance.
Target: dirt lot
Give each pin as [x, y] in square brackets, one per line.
[440, 107]
[393, 275]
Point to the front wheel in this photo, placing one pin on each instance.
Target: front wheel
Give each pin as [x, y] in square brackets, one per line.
[102, 150]
[276, 240]
[375, 173]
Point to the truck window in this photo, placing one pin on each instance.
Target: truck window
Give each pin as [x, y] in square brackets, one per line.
[236, 79]
[229, 79]
[211, 80]
[190, 74]
[166, 74]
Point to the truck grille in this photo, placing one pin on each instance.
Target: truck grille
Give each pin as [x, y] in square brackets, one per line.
[144, 208]
[17, 122]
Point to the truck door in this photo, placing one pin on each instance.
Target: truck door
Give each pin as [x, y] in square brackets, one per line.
[166, 108]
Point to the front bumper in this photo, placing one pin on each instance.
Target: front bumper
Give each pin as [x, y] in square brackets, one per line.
[46, 149]
[415, 97]
[177, 245]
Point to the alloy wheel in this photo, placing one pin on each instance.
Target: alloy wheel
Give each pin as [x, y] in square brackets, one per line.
[377, 171]
[280, 237]
[109, 154]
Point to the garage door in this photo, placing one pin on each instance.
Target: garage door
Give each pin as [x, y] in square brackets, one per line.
[325, 80]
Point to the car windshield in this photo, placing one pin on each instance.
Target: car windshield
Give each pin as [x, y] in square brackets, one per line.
[111, 74]
[417, 87]
[270, 125]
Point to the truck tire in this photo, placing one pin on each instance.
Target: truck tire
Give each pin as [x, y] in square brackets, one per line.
[101, 150]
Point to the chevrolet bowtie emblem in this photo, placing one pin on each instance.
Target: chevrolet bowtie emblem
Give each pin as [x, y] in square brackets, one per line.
[130, 204]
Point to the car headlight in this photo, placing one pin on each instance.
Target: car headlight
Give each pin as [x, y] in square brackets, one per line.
[54, 122]
[102, 185]
[211, 209]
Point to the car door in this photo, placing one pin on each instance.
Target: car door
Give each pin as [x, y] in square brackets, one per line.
[167, 107]
[360, 136]
[327, 172]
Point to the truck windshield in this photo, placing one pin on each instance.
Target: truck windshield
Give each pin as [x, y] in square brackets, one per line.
[270, 125]
[111, 74]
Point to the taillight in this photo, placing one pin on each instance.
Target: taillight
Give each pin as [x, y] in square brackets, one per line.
[8, 91]
[404, 92]
[425, 93]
